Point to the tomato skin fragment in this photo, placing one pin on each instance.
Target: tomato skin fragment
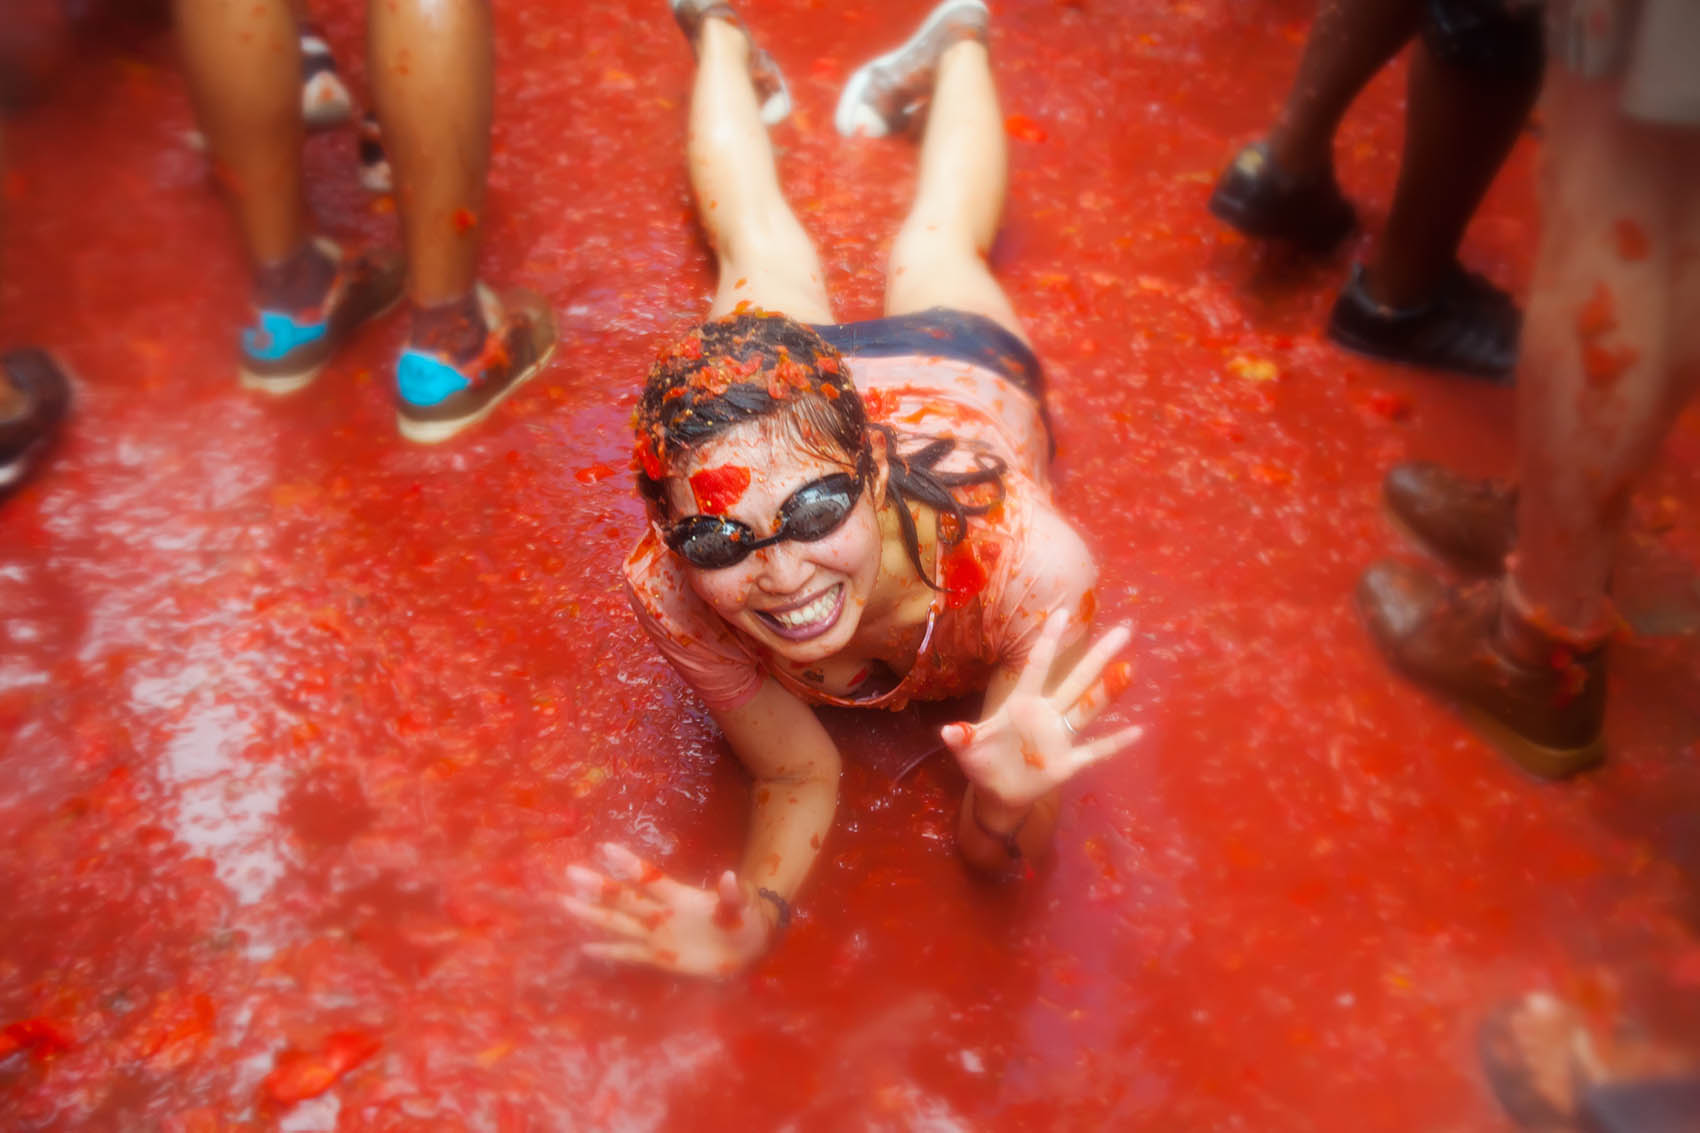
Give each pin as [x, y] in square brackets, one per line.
[1392, 406]
[1598, 315]
[41, 1036]
[1023, 128]
[964, 576]
[299, 1075]
[648, 461]
[1604, 364]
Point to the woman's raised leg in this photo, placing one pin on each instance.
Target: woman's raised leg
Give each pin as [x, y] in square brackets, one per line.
[763, 255]
[939, 256]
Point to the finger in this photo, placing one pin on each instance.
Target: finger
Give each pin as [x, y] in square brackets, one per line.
[1044, 654]
[1104, 747]
[731, 893]
[621, 951]
[609, 920]
[1089, 667]
[958, 736]
[671, 894]
[1101, 695]
[963, 741]
[590, 886]
[627, 866]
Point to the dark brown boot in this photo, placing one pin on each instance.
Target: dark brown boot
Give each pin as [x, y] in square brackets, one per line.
[1469, 523]
[1539, 700]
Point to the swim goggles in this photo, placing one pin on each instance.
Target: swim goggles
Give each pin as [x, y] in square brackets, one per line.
[811, 513]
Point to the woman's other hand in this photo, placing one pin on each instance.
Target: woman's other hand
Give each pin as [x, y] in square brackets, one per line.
[651, 919]
[1028, 745]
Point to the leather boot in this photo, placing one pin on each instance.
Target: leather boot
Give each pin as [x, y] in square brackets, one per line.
[1540, 700]
[1469, 523]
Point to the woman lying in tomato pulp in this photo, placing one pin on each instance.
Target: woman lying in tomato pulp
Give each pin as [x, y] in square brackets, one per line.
[820, 541]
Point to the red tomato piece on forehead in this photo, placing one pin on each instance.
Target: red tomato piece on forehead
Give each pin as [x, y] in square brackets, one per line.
[719, 489]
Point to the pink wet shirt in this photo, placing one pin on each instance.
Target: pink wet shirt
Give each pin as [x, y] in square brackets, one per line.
[1016, 564]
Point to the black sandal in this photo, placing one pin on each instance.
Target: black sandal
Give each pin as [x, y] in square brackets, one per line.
[25, 435]
[1469, 326]
[1261, 200]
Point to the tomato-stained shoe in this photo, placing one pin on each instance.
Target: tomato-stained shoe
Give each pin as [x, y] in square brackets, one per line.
[1469, 523]
[1261, 200]
[1537, 697]
[437, 397]
[771, 88]
[884, 95]
[285, 350]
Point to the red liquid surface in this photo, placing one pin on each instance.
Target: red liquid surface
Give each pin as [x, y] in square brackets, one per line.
[300, 724]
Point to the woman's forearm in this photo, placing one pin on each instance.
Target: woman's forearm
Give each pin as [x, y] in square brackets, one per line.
[789, 820]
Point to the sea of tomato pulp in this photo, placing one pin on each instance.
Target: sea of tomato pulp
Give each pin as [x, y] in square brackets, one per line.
[300, 724]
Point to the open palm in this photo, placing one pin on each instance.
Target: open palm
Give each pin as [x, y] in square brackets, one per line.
[652, 919]
[1028, 746]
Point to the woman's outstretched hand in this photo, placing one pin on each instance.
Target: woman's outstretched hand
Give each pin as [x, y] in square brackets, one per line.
[652, 919]
[1027, 746]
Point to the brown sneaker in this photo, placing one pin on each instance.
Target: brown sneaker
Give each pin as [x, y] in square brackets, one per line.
[1469, 523]
[1540, 701]
[769, 80]
[437, 397]
[285, 350]
[883, 95]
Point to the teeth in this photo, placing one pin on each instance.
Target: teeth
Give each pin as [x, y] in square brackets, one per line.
[810, 614]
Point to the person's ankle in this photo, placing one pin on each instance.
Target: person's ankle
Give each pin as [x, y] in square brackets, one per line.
[722, 32]
[298, 282]
[1300, 160]
[455, 329]
[1393, 288]
[1529, 634]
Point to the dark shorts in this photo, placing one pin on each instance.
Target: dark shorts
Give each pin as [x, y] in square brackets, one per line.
[940, 332]
[1492, 38]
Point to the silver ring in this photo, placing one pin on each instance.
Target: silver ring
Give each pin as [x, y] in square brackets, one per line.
[1072, 730]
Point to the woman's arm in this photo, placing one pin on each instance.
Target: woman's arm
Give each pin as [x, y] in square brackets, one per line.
[652, 919]
[794, 767]
[1054, 682]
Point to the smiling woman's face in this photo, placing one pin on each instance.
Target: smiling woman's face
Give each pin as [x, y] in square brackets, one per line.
[802, 600]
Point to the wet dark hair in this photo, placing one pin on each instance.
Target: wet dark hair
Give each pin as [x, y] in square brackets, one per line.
[750, 367]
